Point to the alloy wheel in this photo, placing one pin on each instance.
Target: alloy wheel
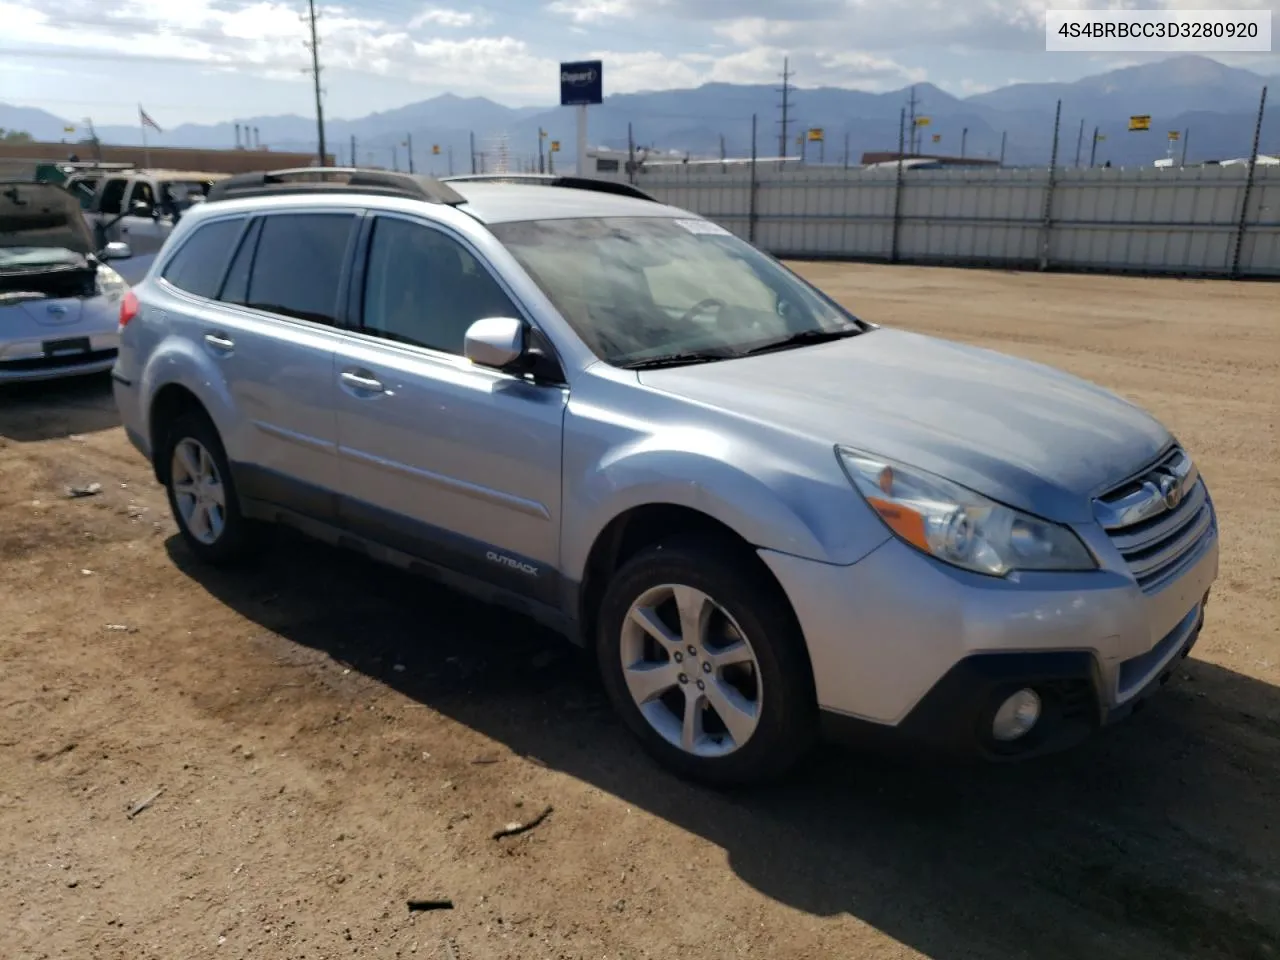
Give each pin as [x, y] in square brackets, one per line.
[198, 491]
[691, 670]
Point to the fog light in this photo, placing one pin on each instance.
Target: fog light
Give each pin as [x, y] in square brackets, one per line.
[1016, 716]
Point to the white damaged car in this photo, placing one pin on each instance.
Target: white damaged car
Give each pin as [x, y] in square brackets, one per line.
[59, 299]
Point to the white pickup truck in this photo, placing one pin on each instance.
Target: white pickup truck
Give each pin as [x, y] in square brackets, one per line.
[138, 207]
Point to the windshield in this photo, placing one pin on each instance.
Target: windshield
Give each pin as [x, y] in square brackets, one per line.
[640, 289]
[26, 258]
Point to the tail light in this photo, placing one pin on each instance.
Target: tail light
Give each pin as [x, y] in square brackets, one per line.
[128, 307]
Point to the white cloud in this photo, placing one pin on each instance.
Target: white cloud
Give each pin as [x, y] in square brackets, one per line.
[446, 17]
[592, 11]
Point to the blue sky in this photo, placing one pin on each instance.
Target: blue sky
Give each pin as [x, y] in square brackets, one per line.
[210, 60]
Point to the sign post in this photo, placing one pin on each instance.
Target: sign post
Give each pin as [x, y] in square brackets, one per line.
[581, 86]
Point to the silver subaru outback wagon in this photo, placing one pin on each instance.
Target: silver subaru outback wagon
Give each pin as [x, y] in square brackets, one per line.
[770, 520]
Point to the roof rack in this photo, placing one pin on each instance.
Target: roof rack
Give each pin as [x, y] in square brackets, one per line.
[302, 180]
[556, 180]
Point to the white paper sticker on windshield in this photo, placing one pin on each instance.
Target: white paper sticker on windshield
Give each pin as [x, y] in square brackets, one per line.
[704, 227]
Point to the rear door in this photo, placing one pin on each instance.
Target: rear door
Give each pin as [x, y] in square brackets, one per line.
[442, 459]
[270, 332]
[108, 206]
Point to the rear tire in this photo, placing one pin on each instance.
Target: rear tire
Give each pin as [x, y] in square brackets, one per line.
[202, 492]
[705, 663]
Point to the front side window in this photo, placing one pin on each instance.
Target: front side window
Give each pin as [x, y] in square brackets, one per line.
[142, 193]
[423, 287]
[112, 196]
[641, 289]
[299, 264]
[198, 265]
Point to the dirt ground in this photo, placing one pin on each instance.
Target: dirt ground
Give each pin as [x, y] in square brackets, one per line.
[330, 738]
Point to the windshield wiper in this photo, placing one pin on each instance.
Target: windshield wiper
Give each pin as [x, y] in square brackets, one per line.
[801, 339]
[677, 360]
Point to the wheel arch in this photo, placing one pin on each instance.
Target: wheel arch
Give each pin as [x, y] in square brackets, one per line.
[643, 526]
[171, 401]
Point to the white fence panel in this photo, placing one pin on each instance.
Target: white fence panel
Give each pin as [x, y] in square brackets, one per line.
[1179, 221]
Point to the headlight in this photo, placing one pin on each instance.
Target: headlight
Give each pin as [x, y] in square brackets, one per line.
[110, 283]
[952, 523]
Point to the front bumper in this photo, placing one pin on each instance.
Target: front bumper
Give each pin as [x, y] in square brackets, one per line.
[901, 642]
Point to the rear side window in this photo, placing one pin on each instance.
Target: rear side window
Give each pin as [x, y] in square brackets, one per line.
[200, 262]
[235, 289]
[112, 196]
[299, 264]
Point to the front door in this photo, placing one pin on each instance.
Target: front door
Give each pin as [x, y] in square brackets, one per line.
[145, 225]
[456, 464]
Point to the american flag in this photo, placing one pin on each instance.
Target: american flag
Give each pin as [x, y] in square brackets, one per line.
[146, 121]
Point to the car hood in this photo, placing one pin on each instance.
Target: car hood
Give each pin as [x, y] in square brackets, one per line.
[1019, 432]
[42, 215]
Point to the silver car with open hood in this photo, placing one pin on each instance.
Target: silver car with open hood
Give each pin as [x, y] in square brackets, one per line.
[59, 299]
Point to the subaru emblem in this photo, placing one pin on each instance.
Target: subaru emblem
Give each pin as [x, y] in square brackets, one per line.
[1171, 491]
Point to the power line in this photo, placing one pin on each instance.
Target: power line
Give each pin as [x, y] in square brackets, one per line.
[315, 72]
[786, 106]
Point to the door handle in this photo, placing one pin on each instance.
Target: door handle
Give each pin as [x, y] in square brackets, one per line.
[219, 342]
[362, 380]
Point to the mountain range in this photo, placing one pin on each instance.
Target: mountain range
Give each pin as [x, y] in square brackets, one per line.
[1214, 104]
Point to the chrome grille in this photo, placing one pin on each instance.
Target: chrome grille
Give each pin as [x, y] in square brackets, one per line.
[1158, 519]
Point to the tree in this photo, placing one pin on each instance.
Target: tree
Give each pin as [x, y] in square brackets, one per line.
[14, 136]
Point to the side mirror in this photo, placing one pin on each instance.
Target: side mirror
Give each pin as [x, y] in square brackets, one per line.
[494, 342]
[115, 250]
[140, 208]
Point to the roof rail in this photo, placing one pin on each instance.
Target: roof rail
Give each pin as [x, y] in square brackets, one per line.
[302, 180]
[556, 180]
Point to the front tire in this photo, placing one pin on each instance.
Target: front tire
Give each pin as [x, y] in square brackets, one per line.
[202, 493]
[704, 661]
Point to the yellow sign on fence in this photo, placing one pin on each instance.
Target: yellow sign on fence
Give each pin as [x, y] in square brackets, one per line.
[922, 121]
[1174, 135]
[937, 138]
[555, 146]
[435, 149]
[815, 135]
[1142, 122]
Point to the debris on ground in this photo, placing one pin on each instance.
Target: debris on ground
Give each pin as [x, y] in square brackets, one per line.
[87, 490]
[121, 628]
[418, 905]
[512, 829]
[145, 802]
[486, 760]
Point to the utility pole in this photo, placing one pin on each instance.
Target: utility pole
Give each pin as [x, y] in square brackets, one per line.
[964, 140]
[1003, 135]
[1079, 141]
[93, 139]
[846, 149]
[315, 72]
[353, 150]
[408, 145]
[451, 159]
[237, 136]
[722, 154]
[786, 106]
[1186, 135]
[631, 154]
[911, 119]
[542, 162]
[1093, 150]
[395, 158]
[473, 153]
